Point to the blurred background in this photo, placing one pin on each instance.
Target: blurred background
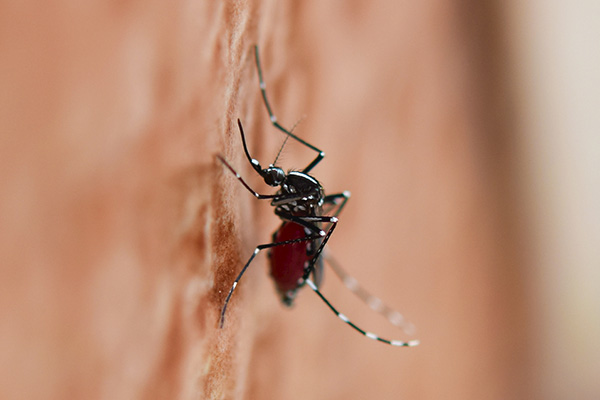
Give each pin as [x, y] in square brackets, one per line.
[467, 133]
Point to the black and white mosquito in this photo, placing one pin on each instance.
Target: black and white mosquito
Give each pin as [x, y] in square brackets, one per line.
[297, 251]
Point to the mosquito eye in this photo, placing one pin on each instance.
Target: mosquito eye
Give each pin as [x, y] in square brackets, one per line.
[274, 176]
[280, 175]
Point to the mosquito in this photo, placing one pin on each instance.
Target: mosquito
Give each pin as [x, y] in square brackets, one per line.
[309, 217]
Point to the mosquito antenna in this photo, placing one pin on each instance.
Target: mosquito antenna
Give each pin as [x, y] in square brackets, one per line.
[287, 137]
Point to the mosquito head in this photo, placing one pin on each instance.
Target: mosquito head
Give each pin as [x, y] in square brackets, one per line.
[272, 175]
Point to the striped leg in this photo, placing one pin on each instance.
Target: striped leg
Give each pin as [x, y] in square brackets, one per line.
[276, 124]
[333, 200]
[308, 221]
[370, 335]
[233, 171]
[256, 251]
[311, 266]
[376, 304]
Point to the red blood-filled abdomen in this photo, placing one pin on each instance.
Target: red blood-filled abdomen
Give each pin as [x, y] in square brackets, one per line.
[288, 261]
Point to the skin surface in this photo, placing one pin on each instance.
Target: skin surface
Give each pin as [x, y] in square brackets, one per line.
[121, 233]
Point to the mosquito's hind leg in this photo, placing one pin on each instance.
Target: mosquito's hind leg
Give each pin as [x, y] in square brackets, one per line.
[276, 124]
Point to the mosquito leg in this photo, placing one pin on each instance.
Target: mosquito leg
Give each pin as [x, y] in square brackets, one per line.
[376, 304]
[257, 195]
[276, 124]
[256, 251]
[308, 221]
[370, 335]
[255, 164]
[311, 266]
[334, 201]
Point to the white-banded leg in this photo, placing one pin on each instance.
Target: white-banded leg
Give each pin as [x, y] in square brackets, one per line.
[315, 264]
[337, 200]
[256, 251]
[394, 317]
[308, 221]
[333, 223]
[375, 303]
[368, 334]
[256, 194]
[276, 124]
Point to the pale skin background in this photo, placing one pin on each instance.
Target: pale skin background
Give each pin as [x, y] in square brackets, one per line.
[467, 134]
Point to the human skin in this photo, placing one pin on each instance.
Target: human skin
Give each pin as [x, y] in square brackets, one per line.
[122, 234]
